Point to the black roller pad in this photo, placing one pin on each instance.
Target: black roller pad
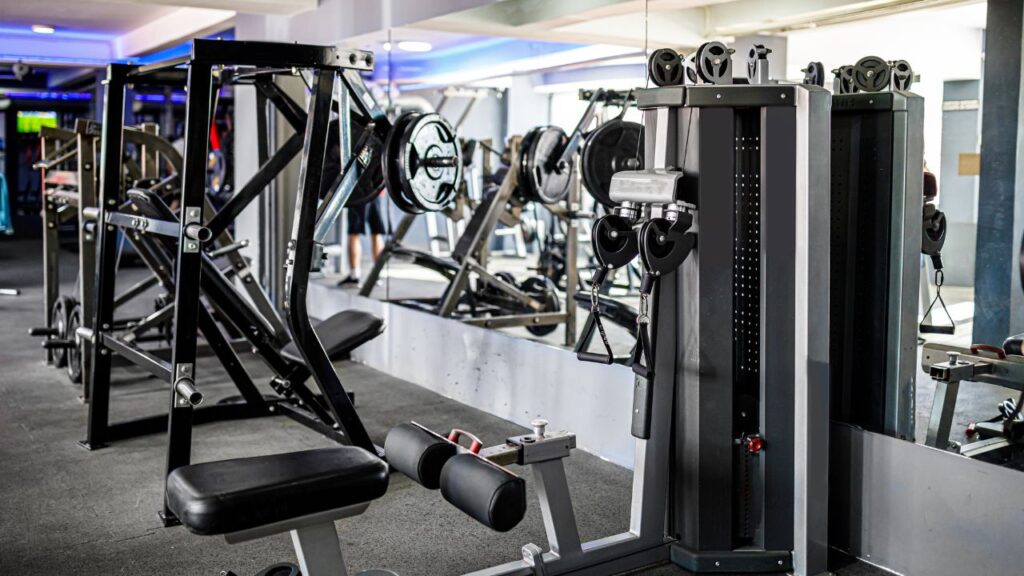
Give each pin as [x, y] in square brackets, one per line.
[488, 493]
[418, 454]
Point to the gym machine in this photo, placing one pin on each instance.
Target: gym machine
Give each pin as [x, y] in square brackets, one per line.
[542, 171]
[747, 375]
[175, 246]
[731, 395]
[878, 224]
[69, 181]
[1000, 439]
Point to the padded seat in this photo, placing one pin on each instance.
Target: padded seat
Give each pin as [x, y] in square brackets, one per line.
[233, 495]
[1014, 345]
[341, 334]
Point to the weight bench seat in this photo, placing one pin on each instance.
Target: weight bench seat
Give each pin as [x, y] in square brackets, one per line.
[341, 334]
[244, 493]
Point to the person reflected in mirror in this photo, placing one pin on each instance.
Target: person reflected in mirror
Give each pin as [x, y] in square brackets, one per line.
[364, 219]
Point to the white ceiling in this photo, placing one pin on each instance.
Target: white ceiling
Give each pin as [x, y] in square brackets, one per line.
[676, 23]
[82, 16]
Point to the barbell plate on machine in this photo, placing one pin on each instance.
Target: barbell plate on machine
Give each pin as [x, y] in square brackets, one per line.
[612, 147]
[665, 67]
[540, 177]
[902, 75]
[713, 62]
[814, 74]
[871, 74]
[389, 162]
[429, 165]
[542, 288]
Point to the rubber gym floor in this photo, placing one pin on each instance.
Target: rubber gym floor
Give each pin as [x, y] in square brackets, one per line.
[65, 510]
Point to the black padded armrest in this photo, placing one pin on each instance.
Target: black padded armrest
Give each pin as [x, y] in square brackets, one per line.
[232, 495]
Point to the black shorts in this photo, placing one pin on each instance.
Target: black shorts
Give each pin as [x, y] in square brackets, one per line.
[370, 214]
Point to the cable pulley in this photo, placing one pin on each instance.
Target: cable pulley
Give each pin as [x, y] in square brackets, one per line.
[871, 74]
[713, 61]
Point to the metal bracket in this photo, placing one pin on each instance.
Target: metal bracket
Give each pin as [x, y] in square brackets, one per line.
[183, 374]
[534, 557]
[192, 215]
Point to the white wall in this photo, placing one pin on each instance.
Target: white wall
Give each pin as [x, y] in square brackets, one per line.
[941, 44]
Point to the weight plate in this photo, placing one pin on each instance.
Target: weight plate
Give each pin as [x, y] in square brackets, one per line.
[871, 74]
[389, 164]
[74, 366]
[540, 176]
[544, 290]
[524, 190]
[665, 67]
[814, 74]
[59, 322]
[613, 241]
[430, 162]
[902, 75]
[713, 63]
[612, 147]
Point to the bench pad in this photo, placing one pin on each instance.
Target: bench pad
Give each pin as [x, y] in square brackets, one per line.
[341, 334]
[239, 494]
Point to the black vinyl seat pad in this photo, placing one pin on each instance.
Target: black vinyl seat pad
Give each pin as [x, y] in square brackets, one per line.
[243, 493]
[341, 333]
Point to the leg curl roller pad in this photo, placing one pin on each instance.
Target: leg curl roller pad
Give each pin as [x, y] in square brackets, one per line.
[487, 492]
[418, 454]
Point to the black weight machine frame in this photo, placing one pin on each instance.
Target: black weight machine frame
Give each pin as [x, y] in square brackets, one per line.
[196, 72]
[876, 239]
[67, 195]
[748, 372]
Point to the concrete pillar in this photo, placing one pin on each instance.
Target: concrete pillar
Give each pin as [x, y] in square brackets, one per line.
[526, 107]
[997, 294]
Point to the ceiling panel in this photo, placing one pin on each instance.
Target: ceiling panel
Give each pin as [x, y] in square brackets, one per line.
[81, 16]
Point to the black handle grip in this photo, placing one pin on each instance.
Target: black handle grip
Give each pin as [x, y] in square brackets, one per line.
[43, 331]
[595, 357]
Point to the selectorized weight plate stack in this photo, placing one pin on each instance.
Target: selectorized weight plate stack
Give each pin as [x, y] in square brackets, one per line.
[422, 163]
[541, 179]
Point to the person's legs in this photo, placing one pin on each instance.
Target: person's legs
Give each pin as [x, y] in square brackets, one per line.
[375, 221]
[356, 228]
[355, 254]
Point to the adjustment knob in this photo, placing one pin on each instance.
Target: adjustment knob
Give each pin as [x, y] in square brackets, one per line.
[538, 427]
